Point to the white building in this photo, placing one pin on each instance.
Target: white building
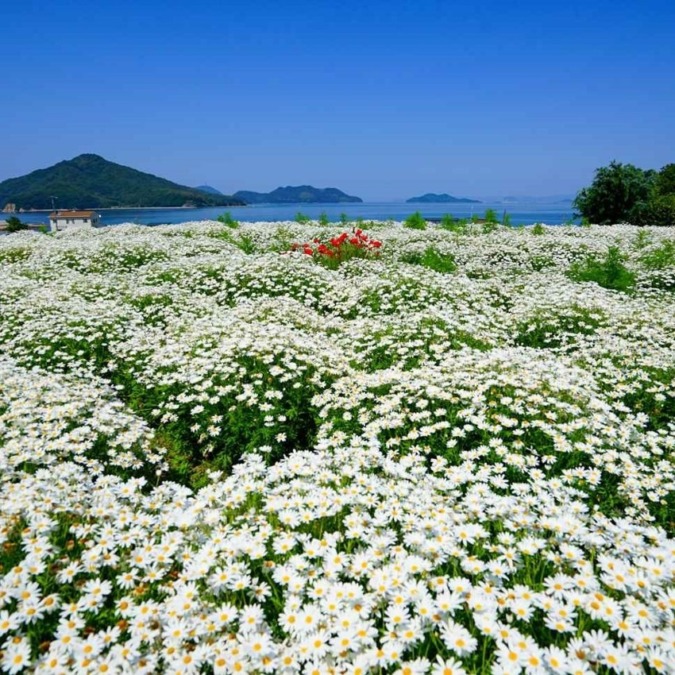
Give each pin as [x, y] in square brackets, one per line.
[65, 220]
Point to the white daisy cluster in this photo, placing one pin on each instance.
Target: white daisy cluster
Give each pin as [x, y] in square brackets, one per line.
[219, 456]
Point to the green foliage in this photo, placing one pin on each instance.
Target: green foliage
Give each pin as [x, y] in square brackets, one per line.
[608, 272]
[506, 219]
[13, 255]
[343, 218]
[660, 257]
[642, 239]
[227, 219]
[447, 222]
[490, 226]
[415, 221]
[491, 216]
[15, 225]
[453, 224]
[616, 190]
[432, 259]
[659, 210]
[665, 181]
[245, 243]
[323, 219]
[302, 218]
[92, 182]
[538, 229]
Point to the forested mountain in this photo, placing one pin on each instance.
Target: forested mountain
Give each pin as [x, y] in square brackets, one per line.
[90, 181]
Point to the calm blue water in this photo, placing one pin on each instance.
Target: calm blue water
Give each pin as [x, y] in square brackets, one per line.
[521, 214]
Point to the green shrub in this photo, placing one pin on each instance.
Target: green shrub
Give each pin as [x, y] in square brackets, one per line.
[538, 229]
[608, 272]
[15, 225]
[227, 219]
[491, 216]
[657, 211]
[302, 218]
[415, 221]
[343, 218]
[453, 224]
[323, 219]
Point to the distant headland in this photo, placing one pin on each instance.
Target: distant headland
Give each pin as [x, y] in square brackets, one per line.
[444, 198]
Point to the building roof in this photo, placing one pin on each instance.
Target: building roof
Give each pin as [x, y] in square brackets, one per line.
[72, 214]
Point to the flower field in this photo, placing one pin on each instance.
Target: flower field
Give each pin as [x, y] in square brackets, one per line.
[295, 448]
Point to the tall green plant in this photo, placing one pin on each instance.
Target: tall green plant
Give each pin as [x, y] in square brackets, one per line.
[415, 221]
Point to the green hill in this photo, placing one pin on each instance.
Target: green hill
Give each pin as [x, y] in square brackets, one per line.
[209, 189]
[444, 198]
[89, 181]
[296, 195]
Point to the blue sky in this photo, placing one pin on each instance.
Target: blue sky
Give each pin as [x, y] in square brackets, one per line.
[381, 99]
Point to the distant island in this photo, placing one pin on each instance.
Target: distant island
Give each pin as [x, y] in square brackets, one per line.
[431, 198]
[295, 195]
[90, 181]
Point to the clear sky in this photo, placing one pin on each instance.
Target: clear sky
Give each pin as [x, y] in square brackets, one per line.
[381, 98]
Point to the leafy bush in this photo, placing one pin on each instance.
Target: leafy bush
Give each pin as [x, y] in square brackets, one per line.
[15, 225]
[415, 221]
[616, 190]
[302, 218]
[538, 229]
[609, 272]
[491, 216]
[227, 219]
[660, 210]
[323, 219]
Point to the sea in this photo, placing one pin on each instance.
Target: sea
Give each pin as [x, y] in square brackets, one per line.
[519, 213]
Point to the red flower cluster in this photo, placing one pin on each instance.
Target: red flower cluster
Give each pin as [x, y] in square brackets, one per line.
[342, 247]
